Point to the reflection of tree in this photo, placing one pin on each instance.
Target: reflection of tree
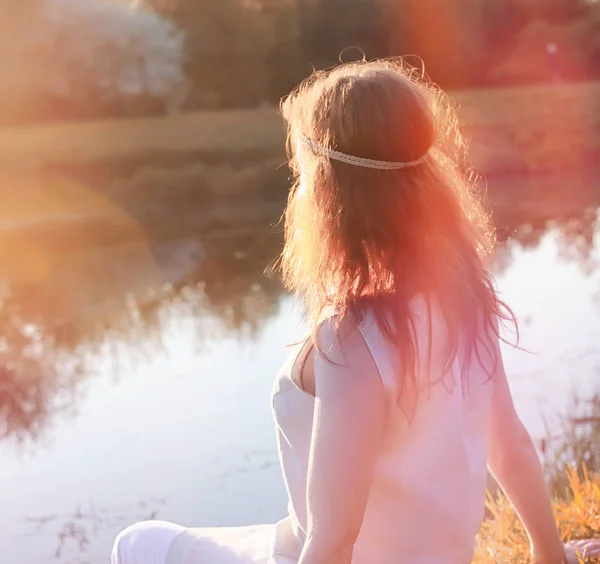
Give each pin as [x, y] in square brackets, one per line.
[237, 287]
[576, 237]
[225, 289]
[33, 383]
[232, 286]
[43, 350]
[24, 403]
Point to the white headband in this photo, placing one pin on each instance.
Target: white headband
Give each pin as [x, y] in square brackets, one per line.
[358, 161]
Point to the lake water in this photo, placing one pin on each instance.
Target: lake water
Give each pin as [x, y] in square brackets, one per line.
[136, 382]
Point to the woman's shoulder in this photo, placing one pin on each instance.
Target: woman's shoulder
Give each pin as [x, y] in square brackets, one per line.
[342, 357]
[373, 313]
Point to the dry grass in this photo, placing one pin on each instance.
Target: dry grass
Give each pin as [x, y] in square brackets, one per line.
[576, 490]
[519, 128]
[226, 133]
[533, 128]
[503, 539]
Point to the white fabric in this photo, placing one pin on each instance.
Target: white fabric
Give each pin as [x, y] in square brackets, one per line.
[427, 498]
[147, 542]
[223, 545]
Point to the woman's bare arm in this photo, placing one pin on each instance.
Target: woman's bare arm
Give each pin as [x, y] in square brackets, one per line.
[514, 462]
[347, 431]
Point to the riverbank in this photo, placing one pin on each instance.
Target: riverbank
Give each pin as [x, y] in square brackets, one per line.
[76, 186]
[514, 130]
[99, 183]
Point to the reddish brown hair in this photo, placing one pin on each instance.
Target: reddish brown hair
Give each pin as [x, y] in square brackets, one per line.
[356, 235]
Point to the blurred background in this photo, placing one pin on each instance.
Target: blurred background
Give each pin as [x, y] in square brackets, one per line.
[142, 180]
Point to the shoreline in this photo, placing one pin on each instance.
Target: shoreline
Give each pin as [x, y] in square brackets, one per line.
[95, 219]
[68, 187]
[511, 132]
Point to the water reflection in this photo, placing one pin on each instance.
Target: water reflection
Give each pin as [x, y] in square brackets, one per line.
[48, 329]
[120, 359]
[575, 237]
[222, 285]
[33, 387]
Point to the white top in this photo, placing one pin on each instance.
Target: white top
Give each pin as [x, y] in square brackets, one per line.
[427, 498]
[426, 501]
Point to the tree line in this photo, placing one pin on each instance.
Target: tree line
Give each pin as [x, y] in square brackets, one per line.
[244, 52]
[74, 59]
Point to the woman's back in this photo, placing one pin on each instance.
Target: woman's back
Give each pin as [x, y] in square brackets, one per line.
[385, 461]
[426, 500]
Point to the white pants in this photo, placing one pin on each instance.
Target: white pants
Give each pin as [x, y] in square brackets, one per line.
[147, 542]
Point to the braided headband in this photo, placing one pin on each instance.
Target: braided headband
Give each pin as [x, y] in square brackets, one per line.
[358, 161]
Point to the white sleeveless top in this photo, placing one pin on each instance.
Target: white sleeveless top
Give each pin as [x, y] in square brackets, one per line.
[426, 501]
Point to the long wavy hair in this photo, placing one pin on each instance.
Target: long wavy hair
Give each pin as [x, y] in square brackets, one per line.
[358, 237]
